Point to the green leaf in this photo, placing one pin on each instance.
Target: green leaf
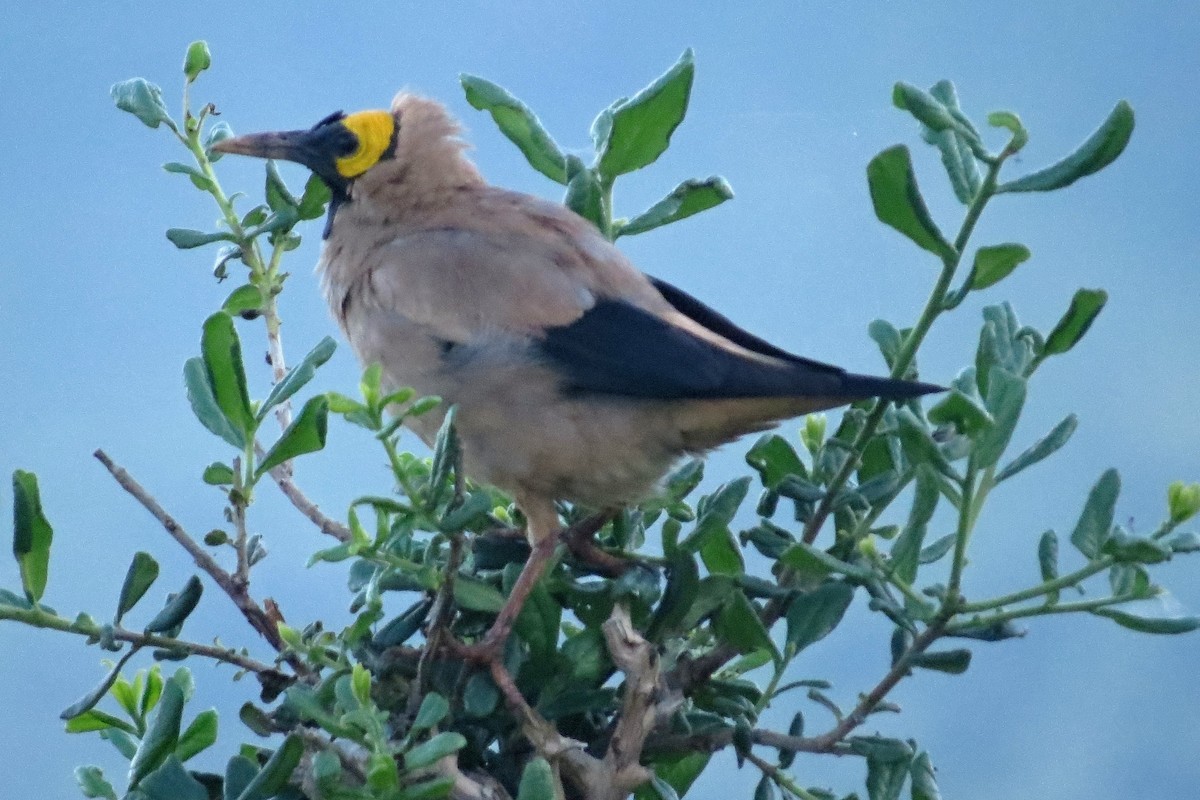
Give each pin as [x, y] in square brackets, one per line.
[197, 60]
[936, 551]
[683, 583]
[1041, 449]
[402, 628]
[198, 736]
[1148, 622]
[954, 662]
[688, 198]
[279, 198]
[222, 352]
[805, 558]
[276, 772]
[306, 434]
[298, 376]
[219, 132]
[162, 734]
[537, 781]
[1183, 501]
[906, 552]
[446, 452]
[239, 771]
[198, 178]
[218, 474]
[32, 535]
[924, 784]
[480, 696]
[142, 572]
[964, 410]
[204, 403]
[186, 239]
[642, 125]
[1010, 121]
[171, 781]
[1005, 399]
[476, 595]
[898, 201]
[993, 264]
[142, 99]
[430, 789]
[96, 720]
[1128, 549]
[884, 334]
[885, 778]
[774, 458]
[918, 442]
[1085, 307]
[1095, 522]
[673, 776]
[738, 624]
[315, 198]
[434, 750]
[433, 710]
[1097, 152]
[1048, 561]
[813, 616]
[716, 512]
[584, 194]
[92, 783]
[517, 122]
[956, 146]
[177, 608]
[245, 301]
[928, 110]
[720, 552]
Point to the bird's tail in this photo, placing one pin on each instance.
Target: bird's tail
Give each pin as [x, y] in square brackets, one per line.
[860, 387]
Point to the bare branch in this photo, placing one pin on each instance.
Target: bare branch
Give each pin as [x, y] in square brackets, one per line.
[282, 475]
[635, 657]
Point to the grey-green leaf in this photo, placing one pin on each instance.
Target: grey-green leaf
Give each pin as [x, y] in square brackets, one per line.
[93, 784]
[162, 734]
[898, 201]
[1048, 560]
[994, 263]
[1041, 449]
[142, 572]
[435, 749]
[1005, 399]
[276, 772]
[204, 403]
[85, 703]
[1086, 305]
[171, 781]
[537, 781]
[1095, 523]
[186, 239]
[642, 125]
[812, 616]
[298, 376]
[954, 662]
[924, 784]
[688, 198]
[177, 608]
[142, 99]
[584, 195]
[433, 710]
[1097, 152]
[1127, 616]
[244, 301]
[32, 535]
[956, 147]
[306, 434]
[517, 122]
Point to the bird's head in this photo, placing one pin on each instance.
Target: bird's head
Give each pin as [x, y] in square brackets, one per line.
[339, 148]
[414, 146]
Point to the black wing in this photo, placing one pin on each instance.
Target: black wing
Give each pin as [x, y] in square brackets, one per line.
[617, 348]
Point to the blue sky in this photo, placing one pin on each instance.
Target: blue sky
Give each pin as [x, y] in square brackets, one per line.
[98, 311]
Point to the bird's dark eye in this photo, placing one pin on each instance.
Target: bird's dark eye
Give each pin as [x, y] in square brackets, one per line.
[336, 116]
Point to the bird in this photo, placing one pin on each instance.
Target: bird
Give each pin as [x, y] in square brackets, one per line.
[575, 376]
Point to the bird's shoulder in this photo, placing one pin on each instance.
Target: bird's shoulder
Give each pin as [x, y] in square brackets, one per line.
[488, 257]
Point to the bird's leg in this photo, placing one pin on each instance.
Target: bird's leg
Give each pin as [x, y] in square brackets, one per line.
[542, 531]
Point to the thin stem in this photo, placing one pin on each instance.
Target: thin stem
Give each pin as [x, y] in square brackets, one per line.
[987, 620]
[40, 618]
[781, 778]
[962, 536]
[1042, 589]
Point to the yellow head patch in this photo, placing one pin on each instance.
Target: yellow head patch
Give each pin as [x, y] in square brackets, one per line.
[374, 131]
